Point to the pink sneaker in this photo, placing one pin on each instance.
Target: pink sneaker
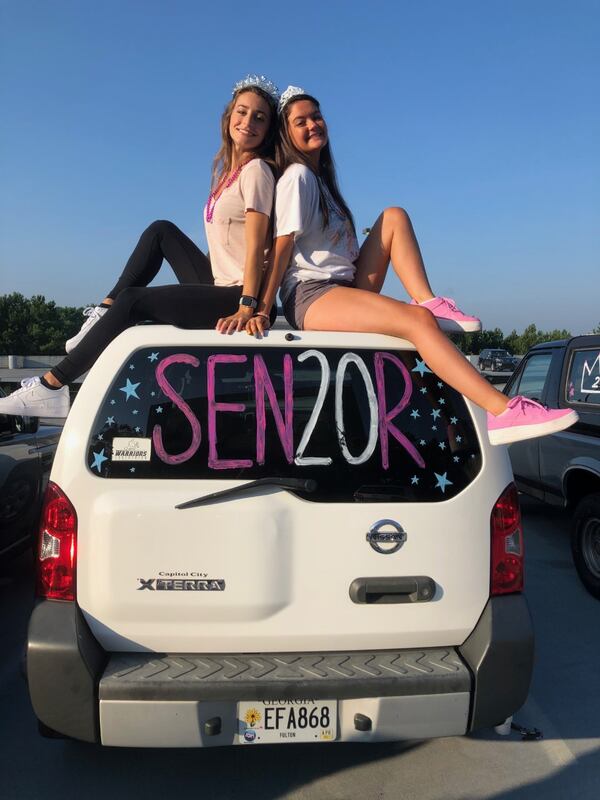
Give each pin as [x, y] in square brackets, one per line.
[526, 419]
[450, 317]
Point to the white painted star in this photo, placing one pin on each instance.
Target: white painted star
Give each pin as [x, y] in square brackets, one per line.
[441, 401]
[423, 390]
[138, 429]
[459, 439]
[112, 402]
[422, 442]
[414, 413]
[135, 411]
[152, 394]
[453, 420]
[414, 480]
[442, 481]
[442, 445]
[440, 384]
[435, 413]
[110, 420]
[130, 390]
[132, 469]
[131, 366]
[434, 427]
[100, 436]
[153, 357]
[456, 459]
[159, 409]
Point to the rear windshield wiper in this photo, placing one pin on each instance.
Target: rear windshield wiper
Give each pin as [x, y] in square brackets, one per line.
[290, 484]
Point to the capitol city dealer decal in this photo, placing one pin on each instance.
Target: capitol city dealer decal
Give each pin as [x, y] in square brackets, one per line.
[131, 449]
[182, 582]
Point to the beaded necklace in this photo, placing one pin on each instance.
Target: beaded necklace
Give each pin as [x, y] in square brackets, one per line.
[220, 188]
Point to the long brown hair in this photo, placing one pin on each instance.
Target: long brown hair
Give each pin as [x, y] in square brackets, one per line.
[224, 158]
[286, 153]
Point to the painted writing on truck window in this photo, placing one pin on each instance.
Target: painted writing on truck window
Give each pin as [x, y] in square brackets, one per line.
[366, 425]
[381, 418]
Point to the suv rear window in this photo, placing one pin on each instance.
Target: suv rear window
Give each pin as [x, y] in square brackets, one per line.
[583, 383]
[367, 426]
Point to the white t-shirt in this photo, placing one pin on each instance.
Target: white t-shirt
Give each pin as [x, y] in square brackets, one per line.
[319, 253]
[226, 234]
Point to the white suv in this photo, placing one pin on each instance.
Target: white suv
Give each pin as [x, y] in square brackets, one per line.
[304, 538]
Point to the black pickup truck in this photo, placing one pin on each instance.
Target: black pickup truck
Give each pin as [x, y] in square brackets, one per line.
[26, 454]
[564, 469]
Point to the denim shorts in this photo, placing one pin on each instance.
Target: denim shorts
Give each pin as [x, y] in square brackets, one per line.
[303, 295]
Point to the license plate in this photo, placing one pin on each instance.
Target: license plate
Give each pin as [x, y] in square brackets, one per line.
[286, 721]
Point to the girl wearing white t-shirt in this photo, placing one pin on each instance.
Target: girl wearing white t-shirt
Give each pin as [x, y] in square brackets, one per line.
[329, 283]
[219, 292]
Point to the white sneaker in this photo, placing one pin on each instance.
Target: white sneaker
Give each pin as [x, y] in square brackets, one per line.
[93, 314]
[34, 399]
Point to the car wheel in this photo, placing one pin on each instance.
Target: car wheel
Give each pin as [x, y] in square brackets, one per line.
[585, 542]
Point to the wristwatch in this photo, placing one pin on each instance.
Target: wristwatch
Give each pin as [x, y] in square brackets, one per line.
[248, 301]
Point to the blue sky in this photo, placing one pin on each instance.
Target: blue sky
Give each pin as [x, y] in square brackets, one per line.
[480, 118]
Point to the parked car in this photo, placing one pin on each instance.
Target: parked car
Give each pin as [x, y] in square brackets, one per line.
[564, 469]
[497, 360]
[26, 453]
[302, 538]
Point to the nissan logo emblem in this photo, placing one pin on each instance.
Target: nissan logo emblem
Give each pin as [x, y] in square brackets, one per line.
[386, 541]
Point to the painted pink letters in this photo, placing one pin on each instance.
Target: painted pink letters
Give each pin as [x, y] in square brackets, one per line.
[385, 417]
[262, 384]
[178, 458]
[214, 462]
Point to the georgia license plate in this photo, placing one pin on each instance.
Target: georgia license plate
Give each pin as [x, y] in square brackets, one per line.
[287, 721]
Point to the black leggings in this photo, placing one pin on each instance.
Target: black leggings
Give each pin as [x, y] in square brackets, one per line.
[163, 240]
[195, 303]
[186, 306]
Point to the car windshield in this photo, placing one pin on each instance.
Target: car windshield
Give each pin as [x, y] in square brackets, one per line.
[367, 426]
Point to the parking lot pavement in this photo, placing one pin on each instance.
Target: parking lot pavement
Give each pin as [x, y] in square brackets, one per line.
[564, 702]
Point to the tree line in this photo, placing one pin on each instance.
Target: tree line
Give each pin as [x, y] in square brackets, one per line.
[36, 326]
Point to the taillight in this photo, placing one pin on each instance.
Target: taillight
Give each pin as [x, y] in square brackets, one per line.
[507, 544]
[57, 545]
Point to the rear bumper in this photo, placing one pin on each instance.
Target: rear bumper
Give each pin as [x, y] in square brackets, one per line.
[147, 699]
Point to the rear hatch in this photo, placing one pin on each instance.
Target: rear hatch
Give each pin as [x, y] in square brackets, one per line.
[385, 478]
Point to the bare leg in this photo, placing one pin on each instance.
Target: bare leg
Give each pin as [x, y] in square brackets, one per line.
[362, 311]
[392, 237]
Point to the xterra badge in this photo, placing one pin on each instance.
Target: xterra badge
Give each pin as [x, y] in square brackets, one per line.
[182, 584]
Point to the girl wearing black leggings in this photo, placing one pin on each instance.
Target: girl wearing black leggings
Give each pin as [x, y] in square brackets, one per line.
[221, 292]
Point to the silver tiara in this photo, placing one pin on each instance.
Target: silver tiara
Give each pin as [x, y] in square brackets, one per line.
[260, 81]
[290, 92]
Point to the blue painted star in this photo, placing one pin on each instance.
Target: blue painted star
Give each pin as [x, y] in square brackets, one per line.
[424, 390]
[442, 482]
[420, 367]
[456, 459]
[98, 459]
[110, 420]
[159, 409]
[414, 480]
[414, 413]
[152, 394]
[135, 411]
[422, 442]
[440, 384]
[153, 357]
[130, 390]
[131, 366]
[442, 445]
[112, 402]
[138, 429]
[441, 401]
[434, 427]
[459, 439]
[453, 420]
[435, 413]
[100, 436]
[132, 469]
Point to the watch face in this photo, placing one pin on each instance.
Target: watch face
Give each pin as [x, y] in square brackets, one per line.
[245, 300]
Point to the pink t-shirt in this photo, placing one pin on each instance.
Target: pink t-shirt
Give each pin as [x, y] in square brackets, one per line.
[253, 190]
